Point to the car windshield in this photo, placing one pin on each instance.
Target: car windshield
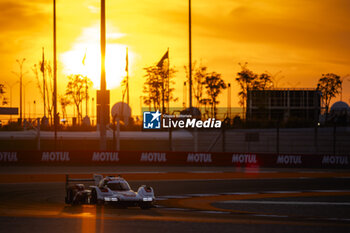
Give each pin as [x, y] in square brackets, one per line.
[120, 186]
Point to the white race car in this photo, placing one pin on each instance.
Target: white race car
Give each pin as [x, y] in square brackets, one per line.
[108, 190]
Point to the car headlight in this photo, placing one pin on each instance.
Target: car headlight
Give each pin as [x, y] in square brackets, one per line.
[111, 199]
[147, 199]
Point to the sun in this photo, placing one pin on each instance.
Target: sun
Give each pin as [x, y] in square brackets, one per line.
[85, 58]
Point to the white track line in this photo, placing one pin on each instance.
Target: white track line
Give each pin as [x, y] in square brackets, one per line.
[201, 195]
[241, 193]
[270, 215]
[287, 202]
[206, 172]
[213, 212]
[326, 191]
[174, 197]
[161, 198]
[292, 191]
[244, 193]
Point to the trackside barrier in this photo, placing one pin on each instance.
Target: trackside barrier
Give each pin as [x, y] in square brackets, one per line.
[86, 158]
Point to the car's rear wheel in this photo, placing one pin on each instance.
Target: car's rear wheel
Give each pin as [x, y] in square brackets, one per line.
[93, 199]
[69, 196]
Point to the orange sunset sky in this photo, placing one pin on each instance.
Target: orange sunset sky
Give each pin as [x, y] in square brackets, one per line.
[300, 38]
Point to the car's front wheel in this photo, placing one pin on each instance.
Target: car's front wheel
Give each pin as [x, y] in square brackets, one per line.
[93, 198]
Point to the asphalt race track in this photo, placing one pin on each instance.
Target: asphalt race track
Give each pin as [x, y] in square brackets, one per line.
[263, 201]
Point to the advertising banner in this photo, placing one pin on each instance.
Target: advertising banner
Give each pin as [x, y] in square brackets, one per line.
[153, 158]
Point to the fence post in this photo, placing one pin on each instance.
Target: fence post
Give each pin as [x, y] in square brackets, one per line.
[38, 133]
[195, 140]
[278, 138]
[170, 140]
[334, 138]
[316, 138]
[223, 138]
[118, 134]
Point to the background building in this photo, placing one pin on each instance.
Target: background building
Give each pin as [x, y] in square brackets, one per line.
[283, 104]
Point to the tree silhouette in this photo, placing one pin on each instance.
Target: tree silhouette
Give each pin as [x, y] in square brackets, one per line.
[64, 102]
[214, 84]
[2, 93]
[152, 87]
[76, 90]
[156, 87]
[245, 79]
[329, 85]
[199, 74]
[206, 102]
[262, 82]
[248, 80]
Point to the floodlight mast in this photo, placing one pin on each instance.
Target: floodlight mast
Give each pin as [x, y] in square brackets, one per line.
[103, 94]
[190, 53]
[55, 119]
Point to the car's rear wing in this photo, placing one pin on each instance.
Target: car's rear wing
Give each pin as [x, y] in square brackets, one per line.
[77, 180]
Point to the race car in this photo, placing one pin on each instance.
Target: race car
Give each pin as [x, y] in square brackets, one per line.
[108, 190]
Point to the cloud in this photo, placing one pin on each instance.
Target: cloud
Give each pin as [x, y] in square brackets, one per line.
[21, 22]
[315, 29]
[22, 15]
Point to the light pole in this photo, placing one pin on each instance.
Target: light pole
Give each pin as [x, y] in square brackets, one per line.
[184, 95]
[24, 97]
[92, 110]
[20, 75]
[34, 102]
[229, 100]
[190, 52]
[55, 118]
[11, 86]
[87, 96]
[103, 92]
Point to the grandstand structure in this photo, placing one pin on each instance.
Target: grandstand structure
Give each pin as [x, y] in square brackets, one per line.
[283, 104]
